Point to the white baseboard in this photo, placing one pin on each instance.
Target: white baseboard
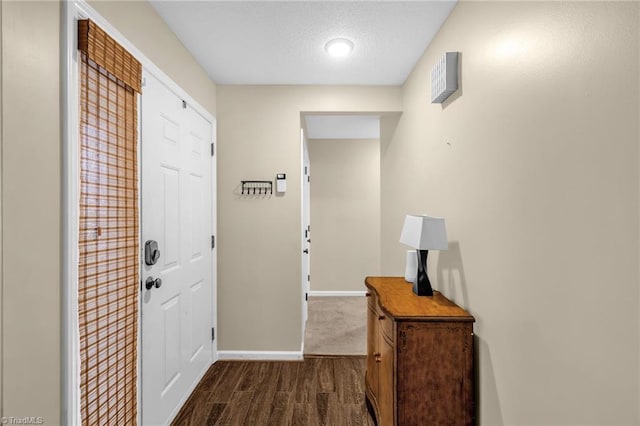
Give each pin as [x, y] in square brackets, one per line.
[361, 293]
[260, 355]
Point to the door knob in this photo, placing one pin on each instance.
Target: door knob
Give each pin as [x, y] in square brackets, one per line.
[150, 283]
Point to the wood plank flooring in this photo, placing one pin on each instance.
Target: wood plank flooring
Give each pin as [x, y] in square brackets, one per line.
[317, 391]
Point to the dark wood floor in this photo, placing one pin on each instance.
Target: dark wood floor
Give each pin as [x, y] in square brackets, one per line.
[316, 391]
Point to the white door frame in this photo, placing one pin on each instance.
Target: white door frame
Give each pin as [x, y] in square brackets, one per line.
[305, 258]
[74, 10]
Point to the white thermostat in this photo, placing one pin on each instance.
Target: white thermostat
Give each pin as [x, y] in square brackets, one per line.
[281, 182]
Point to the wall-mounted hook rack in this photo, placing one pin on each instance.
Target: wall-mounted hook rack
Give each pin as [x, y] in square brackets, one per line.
[257, 187]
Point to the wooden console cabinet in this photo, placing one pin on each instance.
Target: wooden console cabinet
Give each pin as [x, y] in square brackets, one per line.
[419, 357]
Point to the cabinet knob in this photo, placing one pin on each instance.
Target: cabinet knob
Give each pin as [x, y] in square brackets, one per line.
[381, 317]
[378, 359]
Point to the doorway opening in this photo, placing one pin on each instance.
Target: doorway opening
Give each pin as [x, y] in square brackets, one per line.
[342, 199]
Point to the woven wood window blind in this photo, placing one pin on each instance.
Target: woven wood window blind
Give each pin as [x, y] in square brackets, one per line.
[110, 79]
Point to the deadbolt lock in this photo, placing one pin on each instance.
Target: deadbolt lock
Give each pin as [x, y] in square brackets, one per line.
[151, 252]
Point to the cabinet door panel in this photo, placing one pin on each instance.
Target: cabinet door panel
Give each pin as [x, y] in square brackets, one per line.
[434, 370]
[372, 349]
[386, 325]
[386, 394]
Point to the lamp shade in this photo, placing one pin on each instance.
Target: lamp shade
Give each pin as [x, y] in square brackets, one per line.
[424, 233]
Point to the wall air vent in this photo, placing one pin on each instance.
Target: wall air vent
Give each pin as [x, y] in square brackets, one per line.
[444, 77]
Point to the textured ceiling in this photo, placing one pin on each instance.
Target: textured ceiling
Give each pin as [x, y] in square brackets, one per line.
[269, 42]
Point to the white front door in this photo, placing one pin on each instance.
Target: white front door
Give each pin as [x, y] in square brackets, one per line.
[177, 197]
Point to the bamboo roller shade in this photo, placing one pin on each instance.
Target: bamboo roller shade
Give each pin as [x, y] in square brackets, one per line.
[106, 52]
[108, 231]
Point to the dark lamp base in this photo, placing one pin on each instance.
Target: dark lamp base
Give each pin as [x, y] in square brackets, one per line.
[422, 285]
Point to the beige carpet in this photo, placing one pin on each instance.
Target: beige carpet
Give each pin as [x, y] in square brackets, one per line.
[336, 326]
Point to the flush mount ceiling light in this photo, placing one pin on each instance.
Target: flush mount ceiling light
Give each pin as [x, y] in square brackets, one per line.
[339, 47]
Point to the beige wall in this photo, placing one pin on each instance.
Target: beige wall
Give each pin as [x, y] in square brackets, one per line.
[345, 213]
[139, 22]
[31, 189]
[259, 276]
[534, 165]
[31, 205]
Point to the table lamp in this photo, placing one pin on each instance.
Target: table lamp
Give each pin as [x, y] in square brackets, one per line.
[423, 233]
